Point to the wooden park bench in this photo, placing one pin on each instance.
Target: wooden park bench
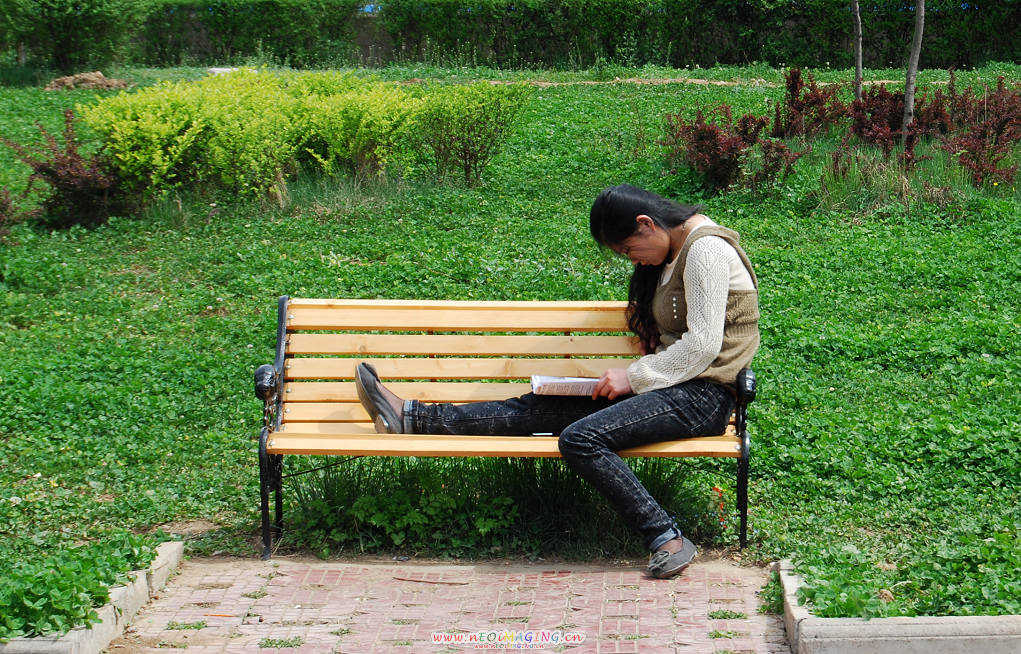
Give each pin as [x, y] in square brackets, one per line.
[442, 351]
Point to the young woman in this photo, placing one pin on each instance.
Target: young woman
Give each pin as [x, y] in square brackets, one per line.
[692, 303]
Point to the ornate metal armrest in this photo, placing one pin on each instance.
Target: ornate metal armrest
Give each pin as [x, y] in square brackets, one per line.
[746, 386]
[265, 382]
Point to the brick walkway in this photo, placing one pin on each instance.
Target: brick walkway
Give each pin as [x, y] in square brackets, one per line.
[289, 605]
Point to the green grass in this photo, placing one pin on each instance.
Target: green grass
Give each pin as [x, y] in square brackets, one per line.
[281, 643]
[884, 436]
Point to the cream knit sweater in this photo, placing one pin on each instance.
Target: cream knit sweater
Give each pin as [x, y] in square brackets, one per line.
[712, 269]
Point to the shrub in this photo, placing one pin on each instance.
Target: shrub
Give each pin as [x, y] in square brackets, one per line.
[713, 151]
[724, 153]
[323, 83]
[82, 189]
[807, 109]
[359, 131]
[776, 163]
[153, 138]
[247, 118]
[465, 126]
[245, 130]
[233, 131]
[877, 117]
[8, 212]
[991, 137]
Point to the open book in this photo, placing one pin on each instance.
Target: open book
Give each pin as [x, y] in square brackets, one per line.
[542, 385]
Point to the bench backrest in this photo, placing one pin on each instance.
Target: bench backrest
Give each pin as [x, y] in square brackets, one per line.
[421, 348]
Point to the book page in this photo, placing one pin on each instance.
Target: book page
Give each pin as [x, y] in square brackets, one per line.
[543, 385]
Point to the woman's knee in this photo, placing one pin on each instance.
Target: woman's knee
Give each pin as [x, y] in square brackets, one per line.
[575, 443]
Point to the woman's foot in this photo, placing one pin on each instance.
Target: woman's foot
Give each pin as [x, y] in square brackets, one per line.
[672, 558]
[385, 408]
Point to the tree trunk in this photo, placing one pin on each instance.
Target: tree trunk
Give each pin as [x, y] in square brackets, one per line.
[22, 58]
[909, 86]
[857, 49]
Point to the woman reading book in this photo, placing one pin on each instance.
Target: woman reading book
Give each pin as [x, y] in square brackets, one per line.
[693, 305]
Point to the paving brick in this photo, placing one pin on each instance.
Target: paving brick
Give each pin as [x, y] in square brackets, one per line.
[359, 608]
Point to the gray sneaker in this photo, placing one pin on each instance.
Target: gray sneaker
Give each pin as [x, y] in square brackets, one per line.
[664, 565]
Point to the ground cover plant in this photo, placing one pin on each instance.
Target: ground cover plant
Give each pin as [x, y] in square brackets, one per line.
[884, 432]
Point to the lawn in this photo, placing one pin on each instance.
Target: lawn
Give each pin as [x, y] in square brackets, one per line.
[885, 451]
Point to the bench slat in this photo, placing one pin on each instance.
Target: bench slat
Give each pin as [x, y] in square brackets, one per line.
[332, 412]
[324, 412]
[336, 368]
[466, 345]
[334, 429]
[358, 444]
[425, 391]
[453, 319]
[469, 305]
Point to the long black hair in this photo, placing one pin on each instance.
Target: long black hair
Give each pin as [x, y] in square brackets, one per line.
[612, 220]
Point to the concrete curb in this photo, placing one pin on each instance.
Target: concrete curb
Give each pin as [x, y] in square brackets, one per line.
[922, 635]
[125, 602]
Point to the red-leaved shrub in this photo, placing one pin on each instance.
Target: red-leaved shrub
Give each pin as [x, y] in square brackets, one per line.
[992, 132]
[714, 151]
[808, 109]
[718, 149]
[82, 192]
[777, 162]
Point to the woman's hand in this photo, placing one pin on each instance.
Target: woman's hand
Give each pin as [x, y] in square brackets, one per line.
[613, 384]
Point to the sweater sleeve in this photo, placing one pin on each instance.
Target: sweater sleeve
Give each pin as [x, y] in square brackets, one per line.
[706, 285]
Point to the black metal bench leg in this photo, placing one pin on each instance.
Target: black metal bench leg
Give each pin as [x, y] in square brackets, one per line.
[742, 490]
[278, 486]
[742, 498]
[265, 482]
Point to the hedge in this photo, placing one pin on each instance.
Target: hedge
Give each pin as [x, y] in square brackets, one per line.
[571, 33]
[246, 131]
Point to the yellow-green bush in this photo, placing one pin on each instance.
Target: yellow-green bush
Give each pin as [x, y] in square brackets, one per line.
[232, 131]
[251, 134]
[245, 130]
[324, 83]
[465, 126]
[153, 138]
[364, 131]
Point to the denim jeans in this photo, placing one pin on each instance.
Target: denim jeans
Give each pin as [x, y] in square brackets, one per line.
[591, 432]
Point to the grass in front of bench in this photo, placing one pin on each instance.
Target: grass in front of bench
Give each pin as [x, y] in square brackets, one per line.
[884, 435]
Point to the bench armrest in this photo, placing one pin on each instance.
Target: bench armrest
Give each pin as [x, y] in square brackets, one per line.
[746, 386]
[265, 382]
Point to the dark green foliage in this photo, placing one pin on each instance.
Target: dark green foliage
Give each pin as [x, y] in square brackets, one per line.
[543, 33]
[81, 190]
[61, 591]
[300, 32]
[679, 32]
[71, 35]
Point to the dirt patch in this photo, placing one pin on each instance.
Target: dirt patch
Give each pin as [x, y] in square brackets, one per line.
[188, 528]
[93, 80]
